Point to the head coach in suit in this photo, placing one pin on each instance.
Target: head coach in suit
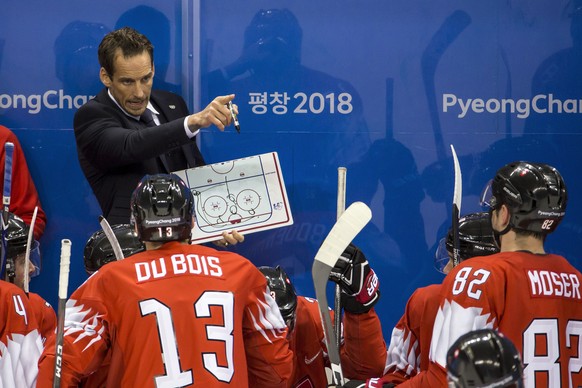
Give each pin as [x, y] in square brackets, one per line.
[129, 130]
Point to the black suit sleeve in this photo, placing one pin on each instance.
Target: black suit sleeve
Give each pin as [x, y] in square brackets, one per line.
[109, 139]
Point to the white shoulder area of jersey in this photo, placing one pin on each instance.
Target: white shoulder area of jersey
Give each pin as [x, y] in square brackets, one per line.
[403, 353]
[452, 321]
[267, 319]
[19, 359]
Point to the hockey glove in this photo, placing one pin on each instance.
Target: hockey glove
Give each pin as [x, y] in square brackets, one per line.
[357, 280]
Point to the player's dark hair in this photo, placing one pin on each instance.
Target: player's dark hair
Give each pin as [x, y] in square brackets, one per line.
[529, 233]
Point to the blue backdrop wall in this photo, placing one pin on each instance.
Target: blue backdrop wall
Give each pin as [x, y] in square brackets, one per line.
[380, 87]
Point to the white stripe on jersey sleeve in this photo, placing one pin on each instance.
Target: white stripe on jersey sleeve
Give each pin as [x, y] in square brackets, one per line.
[269, 318]
[402, 355]
[82, 321]
[19, 360]
[452, 321]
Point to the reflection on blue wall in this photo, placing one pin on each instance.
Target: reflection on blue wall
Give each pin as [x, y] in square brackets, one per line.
[382, 90]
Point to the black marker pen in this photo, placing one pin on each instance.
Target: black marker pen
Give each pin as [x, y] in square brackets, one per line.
[234, 118]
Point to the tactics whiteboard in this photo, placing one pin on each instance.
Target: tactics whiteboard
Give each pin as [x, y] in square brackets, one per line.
[245, 194]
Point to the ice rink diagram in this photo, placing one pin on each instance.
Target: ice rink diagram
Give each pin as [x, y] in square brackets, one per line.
[245, 194]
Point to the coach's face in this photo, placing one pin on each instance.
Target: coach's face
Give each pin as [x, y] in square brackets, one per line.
[131, 83]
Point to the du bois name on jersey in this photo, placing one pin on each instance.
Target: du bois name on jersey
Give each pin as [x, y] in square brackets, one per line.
[178, 264]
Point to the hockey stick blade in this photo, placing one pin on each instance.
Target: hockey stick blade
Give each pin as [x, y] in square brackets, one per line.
[27, 252]
[458, 193]
[347, 227]
[456, 213]
[111, 238]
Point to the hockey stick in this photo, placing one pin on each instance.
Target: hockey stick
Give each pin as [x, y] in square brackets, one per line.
[9, 152]
[111, 238]
[7, 266]
[341, 207]
[63, 286]
[341, 235]
[457, 195]
[451, 28]
[26, 280]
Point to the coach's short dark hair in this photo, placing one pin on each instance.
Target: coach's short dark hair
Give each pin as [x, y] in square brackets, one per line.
[130, 41]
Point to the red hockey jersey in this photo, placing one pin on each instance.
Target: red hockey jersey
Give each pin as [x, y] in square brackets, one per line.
[180, 315]
[45, 315]
[535, 300]
[410, 341]
[24, 197]
[363, 352]
[20, 342]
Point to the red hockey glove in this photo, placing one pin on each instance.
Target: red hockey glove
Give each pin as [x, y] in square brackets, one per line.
[357, 280]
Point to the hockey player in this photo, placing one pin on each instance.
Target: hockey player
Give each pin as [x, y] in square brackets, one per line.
[410, 341]
[484, 358]
[23, 195]
[16, 238]
[176, 314]
[98, 250]
[363, 351]
[20, 340]
[530, 296]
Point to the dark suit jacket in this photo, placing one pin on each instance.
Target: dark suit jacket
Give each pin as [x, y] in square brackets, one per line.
[115, 151]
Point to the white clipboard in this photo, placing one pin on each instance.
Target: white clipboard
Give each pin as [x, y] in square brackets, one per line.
[246, 194]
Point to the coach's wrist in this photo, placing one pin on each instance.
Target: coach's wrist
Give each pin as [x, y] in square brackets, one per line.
[191, 126]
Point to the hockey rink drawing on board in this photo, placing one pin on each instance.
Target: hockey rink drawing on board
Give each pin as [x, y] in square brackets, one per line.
[245, 194]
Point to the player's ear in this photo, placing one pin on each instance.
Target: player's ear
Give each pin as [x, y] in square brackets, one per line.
[504, 216]
[104, 77]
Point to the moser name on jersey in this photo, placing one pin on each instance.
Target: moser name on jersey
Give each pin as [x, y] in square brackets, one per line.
[178, 264]
[549, 283]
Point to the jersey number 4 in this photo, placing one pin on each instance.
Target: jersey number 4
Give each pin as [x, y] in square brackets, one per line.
[174, 376]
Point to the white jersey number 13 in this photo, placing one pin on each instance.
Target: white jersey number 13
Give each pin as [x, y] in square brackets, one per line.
[174, 376]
